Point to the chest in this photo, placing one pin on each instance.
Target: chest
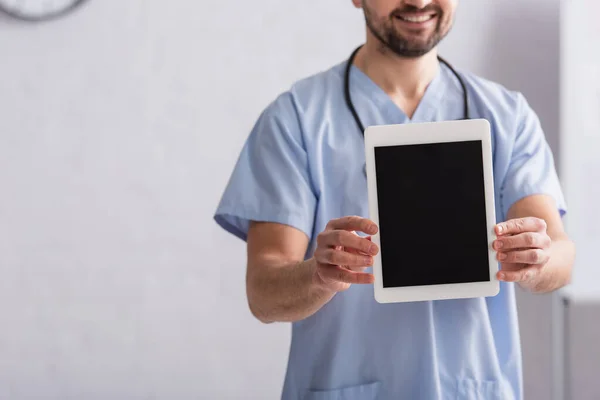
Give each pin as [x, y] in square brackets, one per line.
[337, 160]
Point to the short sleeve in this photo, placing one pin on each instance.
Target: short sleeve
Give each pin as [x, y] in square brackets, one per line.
[270, 181]
[531, 169]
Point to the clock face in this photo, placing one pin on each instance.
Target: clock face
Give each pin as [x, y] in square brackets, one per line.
[37, 10]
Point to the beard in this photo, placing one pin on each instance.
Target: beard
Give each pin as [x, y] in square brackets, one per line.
[406, 45]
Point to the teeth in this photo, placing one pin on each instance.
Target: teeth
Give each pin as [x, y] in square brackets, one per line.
[417, 18]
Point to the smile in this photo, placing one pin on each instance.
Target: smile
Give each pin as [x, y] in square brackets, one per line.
[416, 18]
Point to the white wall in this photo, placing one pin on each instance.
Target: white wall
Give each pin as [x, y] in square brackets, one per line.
[119, 127]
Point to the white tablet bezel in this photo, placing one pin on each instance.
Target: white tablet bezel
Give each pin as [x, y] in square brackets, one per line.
[432, 132]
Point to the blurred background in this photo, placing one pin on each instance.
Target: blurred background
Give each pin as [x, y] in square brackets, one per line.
[120, 123]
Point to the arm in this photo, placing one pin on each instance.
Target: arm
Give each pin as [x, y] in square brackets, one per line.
[282, 287]
[539, 254]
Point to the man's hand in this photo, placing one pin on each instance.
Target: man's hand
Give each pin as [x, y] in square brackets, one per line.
[341, 255]
[523, 248]
[282, 286]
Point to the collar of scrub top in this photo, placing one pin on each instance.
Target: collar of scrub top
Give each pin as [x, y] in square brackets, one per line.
[350, 105]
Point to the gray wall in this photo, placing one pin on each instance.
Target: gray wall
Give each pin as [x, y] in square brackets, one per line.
[120, 125]
[583, 352]
[580, 143]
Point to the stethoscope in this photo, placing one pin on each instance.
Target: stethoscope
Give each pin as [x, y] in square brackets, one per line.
[353, 110]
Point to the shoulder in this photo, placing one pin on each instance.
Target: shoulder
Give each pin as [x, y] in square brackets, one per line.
[302, 93]
[321, 82]
[506, 109]
[289, 111]
[493, 94]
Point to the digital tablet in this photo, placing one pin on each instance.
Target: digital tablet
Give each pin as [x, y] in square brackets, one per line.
[431, 193]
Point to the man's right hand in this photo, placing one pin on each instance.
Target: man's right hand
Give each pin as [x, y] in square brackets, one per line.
[341, 255]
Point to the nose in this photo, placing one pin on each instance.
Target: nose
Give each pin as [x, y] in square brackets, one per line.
[418, 3]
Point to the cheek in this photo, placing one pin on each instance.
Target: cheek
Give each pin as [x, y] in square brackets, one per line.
[448, 7]
[448, 4]
[448, 20]
[381, 8]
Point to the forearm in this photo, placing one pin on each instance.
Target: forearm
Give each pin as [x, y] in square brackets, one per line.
[557, 272]
[284, 293]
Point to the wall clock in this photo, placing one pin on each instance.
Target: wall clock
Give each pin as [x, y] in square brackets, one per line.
[38, 10]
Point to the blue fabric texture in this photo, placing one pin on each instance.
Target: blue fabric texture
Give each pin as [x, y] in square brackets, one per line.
[302, 165]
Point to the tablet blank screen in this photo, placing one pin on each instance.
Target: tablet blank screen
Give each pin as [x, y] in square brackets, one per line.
[432, 215]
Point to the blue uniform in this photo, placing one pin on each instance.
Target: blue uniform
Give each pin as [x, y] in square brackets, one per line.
[302, 165]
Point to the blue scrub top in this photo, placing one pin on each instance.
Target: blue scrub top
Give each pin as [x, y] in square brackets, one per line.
[302, 165]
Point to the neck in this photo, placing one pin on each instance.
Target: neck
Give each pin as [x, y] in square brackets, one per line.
[403, 79]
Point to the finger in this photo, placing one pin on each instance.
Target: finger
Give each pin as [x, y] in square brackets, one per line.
[520, 225]
[339, 274]
[353, 223]
[522, 275]
[531, 256]
[341, 257]
[347, 239]
[523, 241]
[354, 251]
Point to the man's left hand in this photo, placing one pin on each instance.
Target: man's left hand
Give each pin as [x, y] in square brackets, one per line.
[523, 249]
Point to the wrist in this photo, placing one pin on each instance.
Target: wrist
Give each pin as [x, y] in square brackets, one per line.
[530, 286]
[544, 281]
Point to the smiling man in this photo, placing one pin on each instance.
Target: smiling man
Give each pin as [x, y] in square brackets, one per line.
[298, 194]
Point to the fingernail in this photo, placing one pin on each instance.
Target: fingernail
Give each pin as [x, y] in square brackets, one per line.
[499, 228]
[373, 249]
[501, 256]
[501, 276]
[368, 260]
[499, 244]
[528, 275]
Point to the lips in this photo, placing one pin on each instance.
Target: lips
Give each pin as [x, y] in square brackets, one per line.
[414, 18]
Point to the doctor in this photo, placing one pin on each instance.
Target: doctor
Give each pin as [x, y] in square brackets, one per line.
[298, 191]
